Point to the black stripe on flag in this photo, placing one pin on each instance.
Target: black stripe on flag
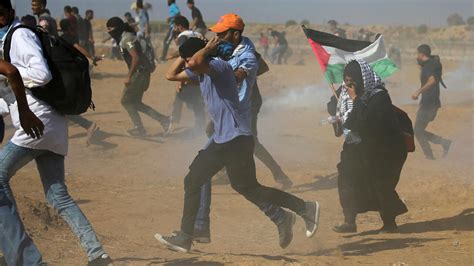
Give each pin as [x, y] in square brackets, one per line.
[331, 40]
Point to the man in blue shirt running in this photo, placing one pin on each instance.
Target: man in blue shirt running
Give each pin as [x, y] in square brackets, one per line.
[231, 146]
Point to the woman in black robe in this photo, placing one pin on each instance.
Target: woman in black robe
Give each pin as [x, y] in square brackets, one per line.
[375, 162]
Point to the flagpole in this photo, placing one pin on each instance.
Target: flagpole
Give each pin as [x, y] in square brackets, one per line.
[334, 92]
[331, 85]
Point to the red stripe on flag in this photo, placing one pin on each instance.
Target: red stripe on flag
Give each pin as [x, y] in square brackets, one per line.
[321, 55]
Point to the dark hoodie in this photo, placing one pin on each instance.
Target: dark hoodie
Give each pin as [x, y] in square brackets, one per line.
[430, 98]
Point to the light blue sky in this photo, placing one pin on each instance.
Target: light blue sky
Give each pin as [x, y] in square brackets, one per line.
[359, 12]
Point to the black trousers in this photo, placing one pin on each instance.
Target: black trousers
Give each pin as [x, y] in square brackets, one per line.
[132, 99]
[237, 157]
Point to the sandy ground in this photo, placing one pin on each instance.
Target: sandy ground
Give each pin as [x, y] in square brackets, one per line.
[132, 188]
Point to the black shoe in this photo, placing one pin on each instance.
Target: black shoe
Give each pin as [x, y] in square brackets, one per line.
[388, 229]
[178, 242]
[202, 236]
[285, 229]
[137, 132]
[103, 260]
[284, 181]
[345, 228]
[311, 218]
[446, 145]
[3, 262]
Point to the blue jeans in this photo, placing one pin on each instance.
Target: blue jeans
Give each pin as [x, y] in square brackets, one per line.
[17, 246]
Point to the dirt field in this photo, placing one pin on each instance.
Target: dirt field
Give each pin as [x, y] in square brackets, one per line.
[132, 188]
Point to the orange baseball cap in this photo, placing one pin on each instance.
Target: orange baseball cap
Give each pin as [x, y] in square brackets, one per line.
[228, 21]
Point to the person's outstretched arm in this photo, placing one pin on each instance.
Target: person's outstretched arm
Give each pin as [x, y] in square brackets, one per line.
[176, 72]
[428, 85]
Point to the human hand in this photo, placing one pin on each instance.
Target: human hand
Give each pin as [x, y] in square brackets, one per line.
[213, 43]
[127, 81]
[351, 90]
[179, 86]
[30, 123]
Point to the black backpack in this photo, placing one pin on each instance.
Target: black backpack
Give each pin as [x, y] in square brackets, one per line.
[406, 128]
[148, 54]
[69, 92]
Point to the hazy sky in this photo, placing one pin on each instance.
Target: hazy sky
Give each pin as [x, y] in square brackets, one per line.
[395, 12]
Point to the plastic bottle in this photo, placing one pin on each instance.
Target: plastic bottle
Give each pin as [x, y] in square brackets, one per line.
[327, 121]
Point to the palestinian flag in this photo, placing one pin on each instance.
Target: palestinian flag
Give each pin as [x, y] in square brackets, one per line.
[333, 52]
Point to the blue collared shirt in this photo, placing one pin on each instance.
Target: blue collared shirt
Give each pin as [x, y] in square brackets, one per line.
[219, 90]
[244, 58]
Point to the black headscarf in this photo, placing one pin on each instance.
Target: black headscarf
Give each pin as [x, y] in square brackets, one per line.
[353, 70]
[119, 28]
[190, 47]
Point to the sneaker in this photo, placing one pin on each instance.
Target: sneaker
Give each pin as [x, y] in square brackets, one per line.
[446, 145]
[430, 157]
[202, 236]
[166, 124]
[137, 132]
[178, 242]
[170, 127]
[285, 229]
[91, 132]
[311, 218]
[103, 260]
[345, 228]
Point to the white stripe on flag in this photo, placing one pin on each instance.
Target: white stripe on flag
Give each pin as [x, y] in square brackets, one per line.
[372, 53]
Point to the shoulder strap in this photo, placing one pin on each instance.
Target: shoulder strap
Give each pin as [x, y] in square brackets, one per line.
[442, 82]
[7, 44]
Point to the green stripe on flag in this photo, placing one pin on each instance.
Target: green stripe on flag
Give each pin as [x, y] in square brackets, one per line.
[384, 68]
[334, 73]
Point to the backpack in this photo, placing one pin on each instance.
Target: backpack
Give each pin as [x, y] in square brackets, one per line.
[406, 128]
[147, 54]
[69, 92]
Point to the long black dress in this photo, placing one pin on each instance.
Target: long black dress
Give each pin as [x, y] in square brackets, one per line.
[350, 183]
[382, 155]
